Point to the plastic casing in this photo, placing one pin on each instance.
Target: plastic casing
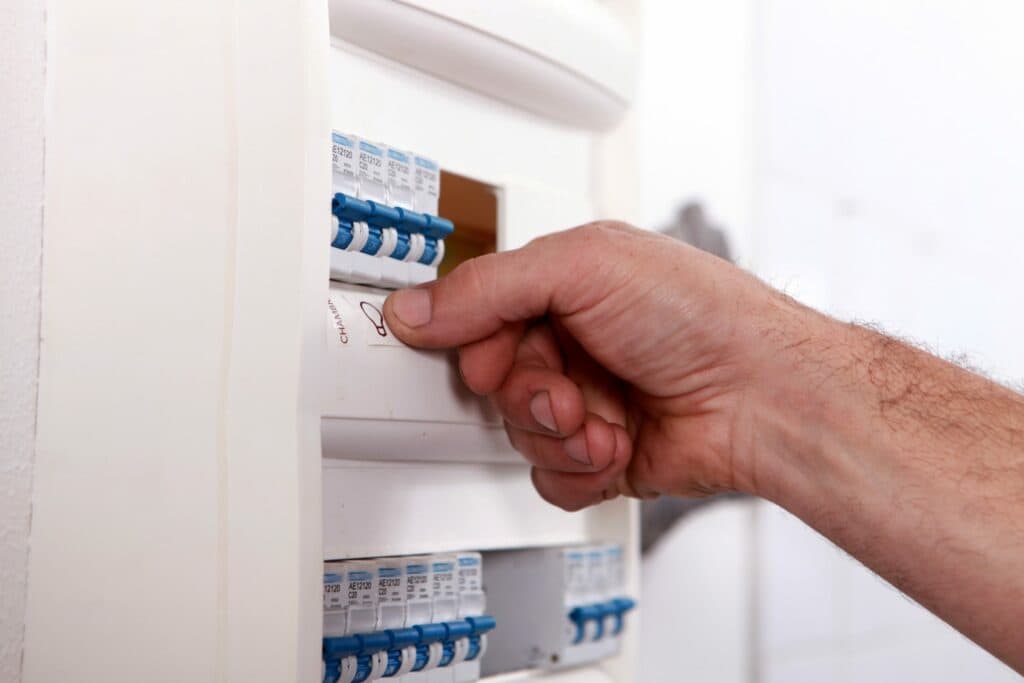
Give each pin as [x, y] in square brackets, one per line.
[180, 490]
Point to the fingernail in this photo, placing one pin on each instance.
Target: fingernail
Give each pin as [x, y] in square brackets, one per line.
[540, 408]
[576, 447]
[411, 306]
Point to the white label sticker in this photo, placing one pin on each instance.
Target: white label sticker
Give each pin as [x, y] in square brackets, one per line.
[357, 320]
[427, 183]
[391, 583]
[373, 180]
[417, 579]
[338, 322]
[614, 568]
[597, 578]
[334, 590]
[443, 572]
[400, 190]
[469, 577]
[575, 575]
[343, 156]
[360, 586]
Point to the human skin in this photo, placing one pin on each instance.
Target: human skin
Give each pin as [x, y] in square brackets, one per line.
[625, 363]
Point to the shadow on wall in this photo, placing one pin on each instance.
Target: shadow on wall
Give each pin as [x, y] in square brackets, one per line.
[691, 225]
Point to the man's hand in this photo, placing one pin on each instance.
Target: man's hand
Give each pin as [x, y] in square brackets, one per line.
[622, 361]
[627, 363]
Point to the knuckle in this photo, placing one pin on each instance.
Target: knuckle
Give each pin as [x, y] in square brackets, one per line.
[599, 238]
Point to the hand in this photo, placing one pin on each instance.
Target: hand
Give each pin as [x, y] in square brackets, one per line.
[627, 363]
[623, 362]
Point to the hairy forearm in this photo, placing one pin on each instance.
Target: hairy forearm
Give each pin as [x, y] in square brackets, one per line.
[914, 466]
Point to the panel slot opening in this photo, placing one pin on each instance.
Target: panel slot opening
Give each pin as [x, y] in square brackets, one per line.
[473, 207]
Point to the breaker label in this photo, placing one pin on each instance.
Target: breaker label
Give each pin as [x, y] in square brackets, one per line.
[444, 579]
[343, 156]
[417, 579]
[354, 320]
[390, 588]
[334, 594]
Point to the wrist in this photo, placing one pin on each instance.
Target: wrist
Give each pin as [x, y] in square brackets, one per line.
[806, 401]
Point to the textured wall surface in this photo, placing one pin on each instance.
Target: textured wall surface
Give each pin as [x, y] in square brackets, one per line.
[22, 53]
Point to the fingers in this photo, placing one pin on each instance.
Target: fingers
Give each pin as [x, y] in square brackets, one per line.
[473, 301]
[589, 449]
[485, 364]
[540, 400]
[483, 294]
[576, 490]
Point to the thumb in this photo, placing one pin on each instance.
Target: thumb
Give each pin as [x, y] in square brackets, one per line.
[484, 294]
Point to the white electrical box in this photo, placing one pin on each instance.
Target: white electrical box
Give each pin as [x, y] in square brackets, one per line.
[222, 409]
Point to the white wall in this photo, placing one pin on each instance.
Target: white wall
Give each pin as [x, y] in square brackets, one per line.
[891, 163]
[697, 597]
[889, 189]
[693, 114]
[21, 224]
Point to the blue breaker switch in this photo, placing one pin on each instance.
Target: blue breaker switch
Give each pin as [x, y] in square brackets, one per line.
[382, 220]
[401, 249]
[481, 626]
[371, 658]
[343, 646]
[429, 648]
[382, 216]
[401, 639]
[350, 209]
[456, 630]
[339, 654]
[580, 616]
[430, 251]
[410, 227]
[367, 238]
[332, 671]
[343, 235]
[438, 227]
[620, 607]
[411, 221]
[604, 610]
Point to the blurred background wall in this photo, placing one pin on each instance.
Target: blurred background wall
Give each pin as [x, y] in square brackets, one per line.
[868, 158]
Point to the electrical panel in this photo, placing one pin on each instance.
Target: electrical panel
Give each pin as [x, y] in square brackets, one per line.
[287, 426]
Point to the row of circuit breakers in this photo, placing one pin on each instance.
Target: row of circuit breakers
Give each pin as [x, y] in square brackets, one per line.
[436, 619]
[385, 231]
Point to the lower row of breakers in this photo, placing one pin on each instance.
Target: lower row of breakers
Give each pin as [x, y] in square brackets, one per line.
[418, 619]
[558, 607]
[385, 230]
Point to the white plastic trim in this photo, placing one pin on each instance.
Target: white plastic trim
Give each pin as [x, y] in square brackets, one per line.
[588, 86]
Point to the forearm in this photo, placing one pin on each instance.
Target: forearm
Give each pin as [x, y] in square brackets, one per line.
[914, 466]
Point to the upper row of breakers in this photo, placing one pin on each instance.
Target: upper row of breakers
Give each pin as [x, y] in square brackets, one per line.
[385, 227]
[386, 175]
